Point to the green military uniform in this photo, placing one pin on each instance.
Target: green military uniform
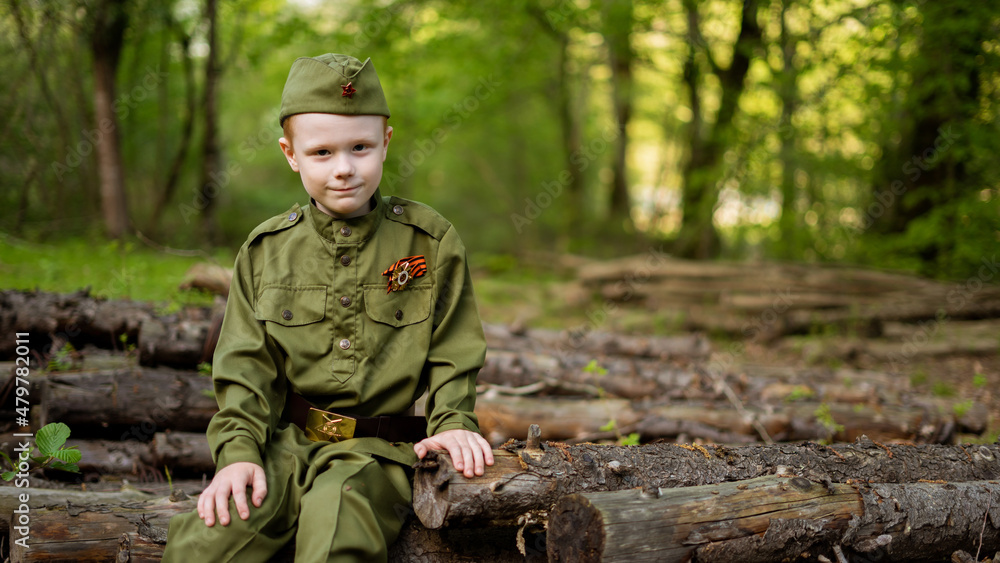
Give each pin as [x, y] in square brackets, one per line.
[310, 312]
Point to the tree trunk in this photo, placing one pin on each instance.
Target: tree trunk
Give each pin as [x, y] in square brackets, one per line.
[187, 129]
[618, 18]
[774, 519]
[702, 172]
[525, 480]
[788, 246]
[213, 179]
[107, 38]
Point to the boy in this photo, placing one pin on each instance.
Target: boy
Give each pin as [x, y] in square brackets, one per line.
[342, 311]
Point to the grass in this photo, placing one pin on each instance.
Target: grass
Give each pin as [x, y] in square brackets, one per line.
[116, 270]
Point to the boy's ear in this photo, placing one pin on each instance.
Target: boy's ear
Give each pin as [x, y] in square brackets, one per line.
[385, 145]
[286, 148]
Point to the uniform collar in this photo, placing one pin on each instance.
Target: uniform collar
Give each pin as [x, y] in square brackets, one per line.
[348, 231]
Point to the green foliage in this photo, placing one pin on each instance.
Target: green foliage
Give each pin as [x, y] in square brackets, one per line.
[961, 408]
[863, 83]
[63, 359]
[205, 368]
[799, 393]
[824, 416]
[943, 389]
[979, 380]
[593, 367]
[50, 443]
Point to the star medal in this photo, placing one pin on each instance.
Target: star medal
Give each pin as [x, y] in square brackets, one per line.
[349, 90]
[405, 270]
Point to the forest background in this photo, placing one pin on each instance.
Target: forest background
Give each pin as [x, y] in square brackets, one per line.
[857, 131]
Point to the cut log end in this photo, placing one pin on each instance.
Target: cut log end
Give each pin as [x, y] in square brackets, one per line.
[430, 490]
[576, 531]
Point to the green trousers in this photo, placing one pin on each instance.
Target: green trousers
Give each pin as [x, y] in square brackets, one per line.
[337, 501]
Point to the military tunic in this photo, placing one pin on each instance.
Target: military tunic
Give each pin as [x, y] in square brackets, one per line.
[309, 311]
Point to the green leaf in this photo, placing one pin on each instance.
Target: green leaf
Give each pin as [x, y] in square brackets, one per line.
[609, 426]
[51, 437]
[9, 461]
[7, 475]
[631, 440]
[70, 467]
[68, 455]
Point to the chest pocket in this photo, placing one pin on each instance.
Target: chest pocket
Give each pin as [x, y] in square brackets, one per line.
[290, 314]
[399, 308]
[292, 306]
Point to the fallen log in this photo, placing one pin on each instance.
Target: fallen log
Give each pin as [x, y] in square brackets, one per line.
[75, 526]
[531, 479]
[147, 399]
[78, 318]
[598, 343]
[602, 419]
[776, 518]
[180, 452]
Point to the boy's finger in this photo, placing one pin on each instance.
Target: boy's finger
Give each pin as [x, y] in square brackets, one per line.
[240, 498]
[487, 449]
[477, 455]
[467, 457]
[222, 507]
[259, 487]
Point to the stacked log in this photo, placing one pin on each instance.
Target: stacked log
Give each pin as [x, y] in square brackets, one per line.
[769, 300]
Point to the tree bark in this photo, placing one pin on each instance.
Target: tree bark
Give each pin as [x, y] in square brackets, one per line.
[75, 526]
[524, 480]
[137, 402]
[773, 519]
[106, 40]
[578, 420]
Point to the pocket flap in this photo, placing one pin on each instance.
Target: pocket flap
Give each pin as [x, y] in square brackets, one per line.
[399, 308]
[292, 305]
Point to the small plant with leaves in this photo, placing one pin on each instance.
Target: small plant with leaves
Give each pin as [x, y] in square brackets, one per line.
[612, 426]
[50, 445]
[63, 360]
[824, 416]
[594, 368]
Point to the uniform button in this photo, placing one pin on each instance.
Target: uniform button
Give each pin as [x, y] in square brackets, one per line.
[397, 209]
[345, 344]
[345, 231]
[293, 216]
[345, 260]
[399, 314]
[345, 301]
[286, 314]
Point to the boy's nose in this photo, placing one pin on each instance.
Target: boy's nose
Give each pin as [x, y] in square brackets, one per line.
[343, 167]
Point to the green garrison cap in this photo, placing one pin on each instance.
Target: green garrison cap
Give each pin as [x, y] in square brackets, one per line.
[332, 83]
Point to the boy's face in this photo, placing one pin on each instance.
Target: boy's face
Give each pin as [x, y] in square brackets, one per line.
[339, 158]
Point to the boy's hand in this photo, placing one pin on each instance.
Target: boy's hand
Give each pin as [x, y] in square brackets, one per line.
[232, 480]
[470, 452]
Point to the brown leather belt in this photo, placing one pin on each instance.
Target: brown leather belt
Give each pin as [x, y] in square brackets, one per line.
[319, 425]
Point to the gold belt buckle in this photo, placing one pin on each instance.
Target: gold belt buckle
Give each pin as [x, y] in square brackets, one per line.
[324, 426]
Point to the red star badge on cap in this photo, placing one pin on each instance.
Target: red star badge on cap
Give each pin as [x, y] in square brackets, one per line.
[348, 90]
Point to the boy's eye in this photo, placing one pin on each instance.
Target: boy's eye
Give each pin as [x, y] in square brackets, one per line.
[322, 152]
[359, 147]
